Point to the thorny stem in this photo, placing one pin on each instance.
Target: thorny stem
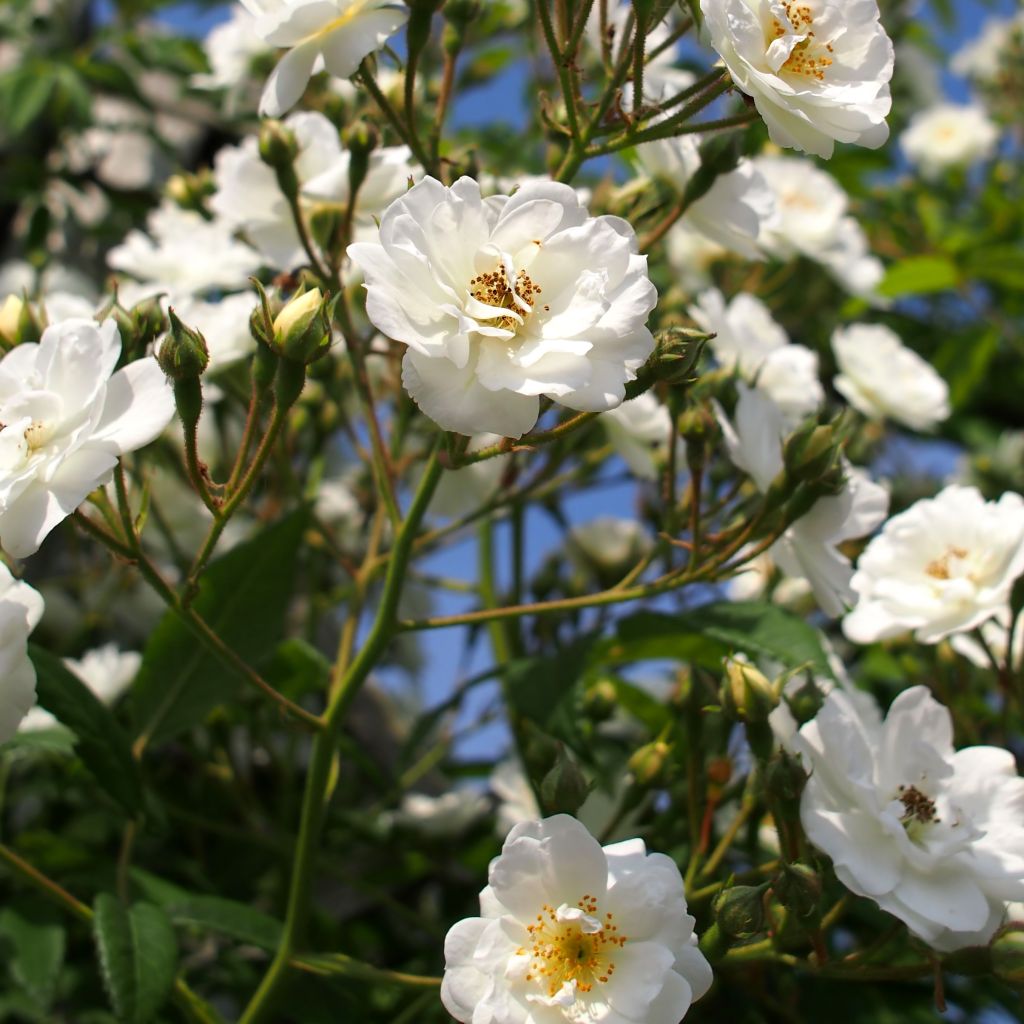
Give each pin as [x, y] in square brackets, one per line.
[564, 78]
[367, 80]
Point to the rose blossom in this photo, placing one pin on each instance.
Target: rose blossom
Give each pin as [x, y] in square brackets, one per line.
[331, 35]
[949, 135]
[810, 547]
[932, 835]
[817, 70]
[506, 299]
[570, 931]
[66, 422]
[945, 565]
[21, 608]
[881, 377]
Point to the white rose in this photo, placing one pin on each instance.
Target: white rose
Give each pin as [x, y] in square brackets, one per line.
[331, 35]
[66, 421]
[945, 565]
[818, 70]
[810, 547]
[570, 931]
[881, 377]
[506, 299]
[932, 835]
[21, 608]
[949, 135]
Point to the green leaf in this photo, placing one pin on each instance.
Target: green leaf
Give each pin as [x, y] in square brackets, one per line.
[965, 363]
[919, 275]
[38, 940]
[706, 634]
[236, 920]
[244, 598]
[138, 956]
[101, 743]
[24, 94]
[998, 264]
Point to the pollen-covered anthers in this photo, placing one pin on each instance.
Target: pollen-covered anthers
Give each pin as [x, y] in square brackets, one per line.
[939, 568]
[572, 945]
[807, 57]
[498, 288]
[918, 807]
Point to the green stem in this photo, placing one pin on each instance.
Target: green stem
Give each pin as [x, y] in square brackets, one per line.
[314, 803]
[387, 108]
[564, 78]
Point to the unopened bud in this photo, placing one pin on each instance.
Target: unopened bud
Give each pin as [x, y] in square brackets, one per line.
[302, 330]
[184, 353]
[648, 765]
[360, 139]
[600, 700]
[785, 778]
[148, 321]
[1007, 950]
[678, 352]
[190, 190]
[278, 148]
[564, 788]
[798, 888]
[810, 452]
[740, 912]
[19, 323]
[746, 692]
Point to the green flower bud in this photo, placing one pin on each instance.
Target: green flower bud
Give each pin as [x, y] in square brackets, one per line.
[148, 321]
[649, 764]
[746, 694]
[811, 453]
[278, 149]
[190, 191]
[564, 788]
[1007, 950]
[360, 139]
[302, 330]
[19, 323]
[740, 911]
[183, 354]
[678, 352]
[798, 889]
[785, 778]
[600, 700]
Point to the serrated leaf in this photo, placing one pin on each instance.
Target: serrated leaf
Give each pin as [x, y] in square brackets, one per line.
[138, 956]
[244, 598]
[38, 944]
[100, 741]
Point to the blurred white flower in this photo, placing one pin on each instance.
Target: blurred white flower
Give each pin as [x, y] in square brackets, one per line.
[880, 377]
[66, 421]
[690, 255]
[184, 253]
[996, 636]
[732, 212]
[949, 135]
[983, 56]
[506, 299]
[106, 671]
[932, 835]
[748, 339]
[810, 547]
[248, 198]
[818, 73]
[609, 546]
[21, 608]
[574, 932]
[637, 430]
[230, 49]
[462, 491]
[516, 800]
[812, 220]
[945, 565]
[330, 35]
[450, 814]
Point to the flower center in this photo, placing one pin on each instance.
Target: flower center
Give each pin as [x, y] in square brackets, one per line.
[939, 568]
[572, 946]
[808, 57]
[918, 809]
[500, 290]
